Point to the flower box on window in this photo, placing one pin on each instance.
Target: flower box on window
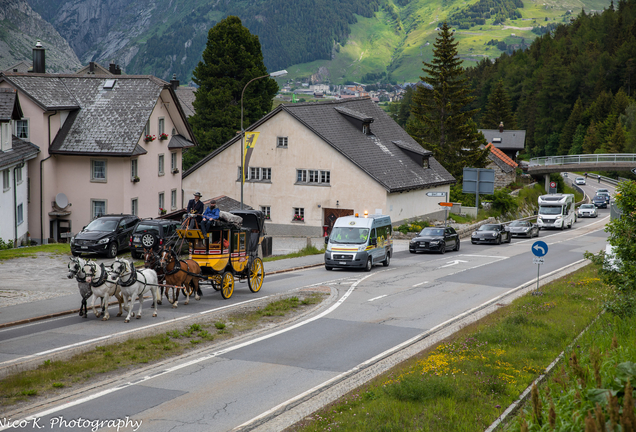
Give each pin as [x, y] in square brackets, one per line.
[175, 170]
[267, 217]
[163, 136]
[135, 179]
[150, 138]
[162, 211]
[298, 219]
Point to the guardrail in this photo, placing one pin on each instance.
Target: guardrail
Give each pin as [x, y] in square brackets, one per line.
[580, 159]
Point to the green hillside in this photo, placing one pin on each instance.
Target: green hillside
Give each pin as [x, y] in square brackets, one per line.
[398, 38]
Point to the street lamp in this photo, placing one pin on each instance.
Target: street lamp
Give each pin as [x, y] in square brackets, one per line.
[273, 75]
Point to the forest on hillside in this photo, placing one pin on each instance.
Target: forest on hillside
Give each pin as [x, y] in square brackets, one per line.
[572, 90]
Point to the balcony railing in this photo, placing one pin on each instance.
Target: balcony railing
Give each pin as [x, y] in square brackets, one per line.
[581, 159]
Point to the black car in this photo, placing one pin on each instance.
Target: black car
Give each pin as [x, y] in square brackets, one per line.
[605, 195]
[107, 235]
[599, 201]
[523, 228]
[491, 233]
[155, 234]
[435, 240]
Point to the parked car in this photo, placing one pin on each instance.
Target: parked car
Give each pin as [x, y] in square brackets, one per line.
[523, 228]
[435, 240]
[599, 201]
[106, 235]
[155, 234]
[580, 180]
[491, 233]
[587, 210]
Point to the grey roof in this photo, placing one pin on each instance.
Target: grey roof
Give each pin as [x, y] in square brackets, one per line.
[510, 139]
[501, 164]
[101, 121]
[97, 70]
[179, 141]
[22, 66]
[355, 114]
[20, 151]
[223, 203]
[9, 105]
[412, 146]
[376, 154]
[186, 96]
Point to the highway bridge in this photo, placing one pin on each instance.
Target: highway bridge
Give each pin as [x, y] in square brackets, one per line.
[586, 163]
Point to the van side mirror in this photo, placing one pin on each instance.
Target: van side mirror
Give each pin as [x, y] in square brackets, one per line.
[374, 242]
[535, 212]
[326, 239]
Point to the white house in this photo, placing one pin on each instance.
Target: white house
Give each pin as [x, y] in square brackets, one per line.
[314, 162]
[14, 155]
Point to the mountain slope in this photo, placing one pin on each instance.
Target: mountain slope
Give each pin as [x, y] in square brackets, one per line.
[21, 27]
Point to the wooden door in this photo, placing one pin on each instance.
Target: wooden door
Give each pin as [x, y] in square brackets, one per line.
[331, 214]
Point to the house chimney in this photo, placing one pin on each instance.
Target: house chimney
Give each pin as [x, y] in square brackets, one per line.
[174, 82]
[501, 127]
[91, 67]
[38, 58]
[113, 68]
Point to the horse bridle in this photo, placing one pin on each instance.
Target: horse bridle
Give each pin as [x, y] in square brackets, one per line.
[177, 263]
[102, 277]
[133, 275]
[74, 273]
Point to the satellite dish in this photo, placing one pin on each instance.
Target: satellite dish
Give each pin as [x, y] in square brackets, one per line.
[61, 200]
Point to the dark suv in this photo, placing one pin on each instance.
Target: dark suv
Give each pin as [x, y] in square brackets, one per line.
[106, 235]
[155, 234]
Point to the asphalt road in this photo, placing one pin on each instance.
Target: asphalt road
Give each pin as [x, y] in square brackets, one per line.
[222, 390]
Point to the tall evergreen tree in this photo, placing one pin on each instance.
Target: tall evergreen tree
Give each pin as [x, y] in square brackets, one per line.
[232, 58]
[440, 121]
[498, 109]
[569, 129]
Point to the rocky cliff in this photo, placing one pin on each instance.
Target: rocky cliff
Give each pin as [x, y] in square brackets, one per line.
[20, 28]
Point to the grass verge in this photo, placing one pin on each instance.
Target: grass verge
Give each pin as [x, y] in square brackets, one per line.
[54, 248]
[307, 250]
[51, 377]
[467, 381]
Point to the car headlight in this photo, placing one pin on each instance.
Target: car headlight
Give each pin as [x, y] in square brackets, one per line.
[435, 242]
[362, 248]
[103, 241]
[559, 217]
[73, 240]
[474, 234]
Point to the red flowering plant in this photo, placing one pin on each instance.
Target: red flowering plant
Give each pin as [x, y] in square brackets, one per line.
[163, 136]
[150, 138]
[162, 211]
[298, 218]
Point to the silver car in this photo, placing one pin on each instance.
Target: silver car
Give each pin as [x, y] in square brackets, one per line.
[523, 228]
[587, 210]
[580, 180]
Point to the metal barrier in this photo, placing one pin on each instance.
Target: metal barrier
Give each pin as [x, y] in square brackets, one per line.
[580, 159]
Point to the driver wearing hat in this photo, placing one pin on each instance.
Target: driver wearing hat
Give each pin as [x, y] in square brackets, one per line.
[195, 209]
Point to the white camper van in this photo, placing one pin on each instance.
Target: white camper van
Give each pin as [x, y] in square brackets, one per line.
[556, 211]
[359, 242]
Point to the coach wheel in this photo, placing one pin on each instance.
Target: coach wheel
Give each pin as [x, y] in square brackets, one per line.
[227, 285]
[257, 274]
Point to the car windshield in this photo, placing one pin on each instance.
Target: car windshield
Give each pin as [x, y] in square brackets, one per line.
[489, 227]
[550, 210]
[602, 190]
[519, 224]
[599, 198]
[587, 206]
[142, 227]
[348, 235]
[432, 232]
[106, 225]
[580, 179]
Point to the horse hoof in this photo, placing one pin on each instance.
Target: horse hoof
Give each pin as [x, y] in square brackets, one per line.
[119, 314]
[197, 298]
[174, 305]
[154, 314]
[158, 302]
[138, 316]
[187, 302]
[105, 319]
[126, 320]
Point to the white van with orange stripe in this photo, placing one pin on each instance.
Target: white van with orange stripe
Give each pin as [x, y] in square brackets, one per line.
[359, 242]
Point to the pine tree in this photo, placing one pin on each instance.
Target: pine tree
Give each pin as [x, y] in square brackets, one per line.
[440, 121]
[568, 131]
[232, 57]
[498, 109]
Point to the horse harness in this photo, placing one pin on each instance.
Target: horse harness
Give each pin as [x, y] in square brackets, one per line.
[102, 277]
[177, 267]
[133, 279]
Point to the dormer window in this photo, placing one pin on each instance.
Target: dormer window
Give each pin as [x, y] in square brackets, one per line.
[425, 164]
[496, 140]
[366, 128]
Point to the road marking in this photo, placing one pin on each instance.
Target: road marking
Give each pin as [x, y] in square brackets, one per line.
[452, 263]
[563, 232]
[375, 298]
[421, 283]
[200, 359]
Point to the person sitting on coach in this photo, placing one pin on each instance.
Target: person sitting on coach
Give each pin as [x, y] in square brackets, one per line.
[195, 210]
[210, 214]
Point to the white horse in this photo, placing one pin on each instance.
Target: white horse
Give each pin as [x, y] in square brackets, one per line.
[103, 285]
[135, 283]
[76, 270]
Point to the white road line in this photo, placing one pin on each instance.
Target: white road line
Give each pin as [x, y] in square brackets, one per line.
[34, 323]
[562, 232]
[375, 298]
[421, 283]
[202, 358]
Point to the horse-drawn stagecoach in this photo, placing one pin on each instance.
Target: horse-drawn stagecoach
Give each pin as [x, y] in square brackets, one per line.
[229, 251]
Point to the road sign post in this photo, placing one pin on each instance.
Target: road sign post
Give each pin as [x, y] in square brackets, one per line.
[446, 205]
[539, 249]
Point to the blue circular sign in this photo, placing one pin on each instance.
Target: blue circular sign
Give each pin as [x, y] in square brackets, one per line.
[540, 248]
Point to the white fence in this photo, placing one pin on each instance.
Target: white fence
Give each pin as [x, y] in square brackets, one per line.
[581, 159]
